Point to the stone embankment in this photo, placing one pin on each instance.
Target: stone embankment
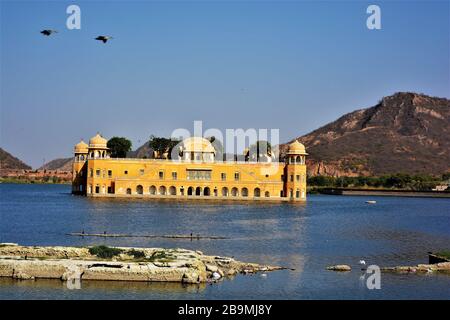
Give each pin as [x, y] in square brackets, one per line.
[126, 264]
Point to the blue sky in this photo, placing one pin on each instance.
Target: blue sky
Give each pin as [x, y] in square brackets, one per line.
[289, 65]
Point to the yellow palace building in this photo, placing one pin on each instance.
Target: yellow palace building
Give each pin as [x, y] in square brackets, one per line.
[196, 174]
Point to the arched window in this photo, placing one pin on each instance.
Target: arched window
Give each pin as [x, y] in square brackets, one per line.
[234, 192]
[128, 190]
[198, 191]
[139, 189]
[224, 192]
[267, 194]
[152, 190]
[244, 192]
[172, 191]
[298, 160]
[190, 191]
[206, 191]
[257, 192]
[162, 190]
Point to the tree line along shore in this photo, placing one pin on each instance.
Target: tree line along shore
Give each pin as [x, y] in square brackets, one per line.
[392, 182]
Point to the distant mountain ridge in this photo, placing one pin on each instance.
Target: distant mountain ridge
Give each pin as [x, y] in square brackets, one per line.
[405, 132]
[8, 161]
[61, 164]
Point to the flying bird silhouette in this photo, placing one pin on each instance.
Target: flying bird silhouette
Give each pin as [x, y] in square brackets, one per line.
[48, 32]
[103, 38]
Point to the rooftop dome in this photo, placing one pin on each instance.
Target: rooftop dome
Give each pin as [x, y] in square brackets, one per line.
[197, 144]
[296, 148]
[81, 147]
[97, 142]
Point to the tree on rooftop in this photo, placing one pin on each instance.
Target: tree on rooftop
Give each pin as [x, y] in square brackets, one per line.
[260, 150]
[119, 146]
[162, 145]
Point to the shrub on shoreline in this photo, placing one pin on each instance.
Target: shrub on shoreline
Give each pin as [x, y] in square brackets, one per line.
[104, 252]
[137, 254]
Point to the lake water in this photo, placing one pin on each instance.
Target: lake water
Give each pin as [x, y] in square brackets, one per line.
[308, 237]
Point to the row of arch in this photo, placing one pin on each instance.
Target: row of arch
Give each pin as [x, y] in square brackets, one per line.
[198, 191]
[296, 160]
[93, 154]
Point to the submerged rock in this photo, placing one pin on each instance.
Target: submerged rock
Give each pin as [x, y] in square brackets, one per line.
[340, 267]
[420, 268]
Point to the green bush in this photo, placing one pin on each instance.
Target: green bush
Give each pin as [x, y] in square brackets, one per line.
[445, 254]
[136, 253]
[104, 252]
[161, 256]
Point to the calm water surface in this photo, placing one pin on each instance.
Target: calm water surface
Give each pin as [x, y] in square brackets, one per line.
[308, 237]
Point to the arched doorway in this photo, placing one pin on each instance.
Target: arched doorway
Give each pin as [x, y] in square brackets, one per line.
[234, 192]
[267, 194]
[257, 192]
[244, 192]
[172, 191]
[152, 190]
[206, 191]
[128, 190]
[224, 192]
[190, 191]
[198, 191]
[139, 189]
[162, 190]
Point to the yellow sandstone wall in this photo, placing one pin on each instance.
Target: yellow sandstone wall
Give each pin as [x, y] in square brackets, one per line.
[142, 177]
[96, 174]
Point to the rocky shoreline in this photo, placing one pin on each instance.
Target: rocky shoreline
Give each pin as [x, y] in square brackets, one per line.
[127, 264]
[443, 267]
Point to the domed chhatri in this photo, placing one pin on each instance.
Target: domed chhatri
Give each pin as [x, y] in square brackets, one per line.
[81, 147]
[297, 148]
[198, 149]
[97, 141]
[195, 171]
[197, 144]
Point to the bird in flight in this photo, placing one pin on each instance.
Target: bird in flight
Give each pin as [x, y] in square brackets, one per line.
[103, 38]
[48, 32]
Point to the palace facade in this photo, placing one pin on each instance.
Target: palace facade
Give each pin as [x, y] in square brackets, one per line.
[195, 174]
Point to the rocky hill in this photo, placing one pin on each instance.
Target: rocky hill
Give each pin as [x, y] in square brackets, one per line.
[8, 161]
[405, 132]
[143, 152]
[62, 164]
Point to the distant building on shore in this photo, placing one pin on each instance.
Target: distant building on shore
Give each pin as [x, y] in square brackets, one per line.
[196, 174]
[441, 187]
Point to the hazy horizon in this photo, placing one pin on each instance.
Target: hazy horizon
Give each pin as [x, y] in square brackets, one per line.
[294, 66]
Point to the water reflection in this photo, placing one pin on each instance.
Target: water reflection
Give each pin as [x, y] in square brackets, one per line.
[305, 236]
[135, 286]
